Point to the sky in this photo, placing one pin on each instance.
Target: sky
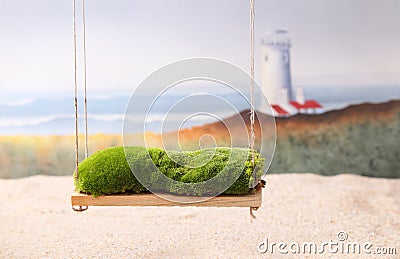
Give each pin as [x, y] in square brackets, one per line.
[333, 41]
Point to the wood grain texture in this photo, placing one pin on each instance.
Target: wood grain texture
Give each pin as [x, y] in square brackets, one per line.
[149, 199]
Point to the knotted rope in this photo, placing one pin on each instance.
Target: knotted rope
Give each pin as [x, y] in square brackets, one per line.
[252, 110]
[84, 69]
[76, 100]
[252, 133]
[76, 88]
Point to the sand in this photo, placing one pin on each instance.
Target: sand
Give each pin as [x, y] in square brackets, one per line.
[37, 221]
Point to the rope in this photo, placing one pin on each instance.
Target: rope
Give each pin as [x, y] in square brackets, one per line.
[252, 134]
[76, 99]
[258, 187]
[84, 65]
[80, 208]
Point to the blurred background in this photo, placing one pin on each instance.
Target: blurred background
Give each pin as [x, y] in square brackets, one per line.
[345, 54]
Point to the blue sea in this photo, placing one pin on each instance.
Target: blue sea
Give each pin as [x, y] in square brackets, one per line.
[53, 114]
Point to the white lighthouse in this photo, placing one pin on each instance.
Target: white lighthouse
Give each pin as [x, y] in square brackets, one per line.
[276, 78]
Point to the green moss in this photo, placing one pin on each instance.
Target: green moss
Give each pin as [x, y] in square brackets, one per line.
[108, 171]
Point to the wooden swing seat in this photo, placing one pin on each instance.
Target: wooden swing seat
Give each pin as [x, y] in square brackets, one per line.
[253, 200]
[81, 202]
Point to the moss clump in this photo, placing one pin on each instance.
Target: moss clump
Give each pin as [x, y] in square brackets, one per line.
[108, 171]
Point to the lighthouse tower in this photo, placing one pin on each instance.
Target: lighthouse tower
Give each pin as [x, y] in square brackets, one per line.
[276, 79]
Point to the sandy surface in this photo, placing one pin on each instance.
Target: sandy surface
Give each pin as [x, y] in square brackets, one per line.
[37, 221]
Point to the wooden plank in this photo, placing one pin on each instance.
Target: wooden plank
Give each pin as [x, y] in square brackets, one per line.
[149, 199]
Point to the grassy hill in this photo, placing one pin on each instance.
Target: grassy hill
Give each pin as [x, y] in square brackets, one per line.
[362, 139]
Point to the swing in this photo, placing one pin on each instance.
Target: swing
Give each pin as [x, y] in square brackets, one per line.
[81, 201]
